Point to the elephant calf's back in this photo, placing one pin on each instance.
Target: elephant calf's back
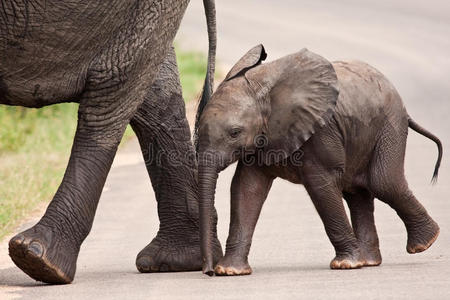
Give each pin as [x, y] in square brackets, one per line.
[366, 96]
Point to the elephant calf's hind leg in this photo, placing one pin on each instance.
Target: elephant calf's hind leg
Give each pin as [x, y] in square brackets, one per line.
[389, 184]
[421, 228]
[361, 205]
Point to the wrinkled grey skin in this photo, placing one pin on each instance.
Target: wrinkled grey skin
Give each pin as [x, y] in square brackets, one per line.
[337, 128]
[105, 55]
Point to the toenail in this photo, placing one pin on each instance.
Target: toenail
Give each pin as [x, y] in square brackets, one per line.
[154, 268]
[36, 249]
[18, 239]
[143, 263]
[164, 268]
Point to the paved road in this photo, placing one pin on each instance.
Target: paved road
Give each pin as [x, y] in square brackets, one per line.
[409, 42]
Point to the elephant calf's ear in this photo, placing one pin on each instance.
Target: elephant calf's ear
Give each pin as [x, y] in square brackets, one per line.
[251, 59]
[302, 90]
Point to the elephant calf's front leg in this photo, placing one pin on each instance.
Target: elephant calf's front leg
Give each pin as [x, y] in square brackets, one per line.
[249, 190]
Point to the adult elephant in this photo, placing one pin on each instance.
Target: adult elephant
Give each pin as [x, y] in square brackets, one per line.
[115, 59]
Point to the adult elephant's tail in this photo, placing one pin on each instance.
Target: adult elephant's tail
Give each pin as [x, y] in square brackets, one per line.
[419, 129]
[210, 12]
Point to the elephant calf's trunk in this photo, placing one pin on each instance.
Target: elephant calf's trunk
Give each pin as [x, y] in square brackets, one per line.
[207, 187]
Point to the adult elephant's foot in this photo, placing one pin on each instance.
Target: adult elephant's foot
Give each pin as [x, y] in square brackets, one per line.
[421, 237]
[165, 254]
[232, 266]
[42, 255]
[347, 261]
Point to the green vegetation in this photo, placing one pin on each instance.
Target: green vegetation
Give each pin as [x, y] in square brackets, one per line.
[34, 149]
[35, 146]
[192, 66]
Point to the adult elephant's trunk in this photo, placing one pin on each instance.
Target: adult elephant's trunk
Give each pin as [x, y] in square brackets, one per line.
[210, 12]
[207, 180]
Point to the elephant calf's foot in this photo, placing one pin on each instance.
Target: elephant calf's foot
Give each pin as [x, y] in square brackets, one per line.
[371, 257]
[420, 238]
[174, 256]
[232, 266]
[41, 255]
[347, 261]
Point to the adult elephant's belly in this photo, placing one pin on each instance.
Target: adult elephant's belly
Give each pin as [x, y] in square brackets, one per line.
[46, 47]
[42, 85]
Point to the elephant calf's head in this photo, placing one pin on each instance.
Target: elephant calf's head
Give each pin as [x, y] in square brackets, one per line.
[276, 106]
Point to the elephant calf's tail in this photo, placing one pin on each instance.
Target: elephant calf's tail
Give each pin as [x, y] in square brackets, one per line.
[419, 129]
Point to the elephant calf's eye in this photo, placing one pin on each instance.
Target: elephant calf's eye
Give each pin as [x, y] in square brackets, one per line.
[235, 132]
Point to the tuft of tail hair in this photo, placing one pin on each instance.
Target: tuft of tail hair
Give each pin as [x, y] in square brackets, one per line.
[419, 129]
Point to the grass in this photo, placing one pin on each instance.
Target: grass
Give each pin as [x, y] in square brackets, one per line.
[192, 66]
[35, 147]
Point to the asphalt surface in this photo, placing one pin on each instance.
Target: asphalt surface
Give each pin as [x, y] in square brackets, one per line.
[409, 41]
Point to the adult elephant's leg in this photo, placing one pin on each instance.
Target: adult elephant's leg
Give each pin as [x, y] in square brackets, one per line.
[48, 251]
[388, 183]
[249, 190]
[164, 136]
[361, 205]
[322, 186]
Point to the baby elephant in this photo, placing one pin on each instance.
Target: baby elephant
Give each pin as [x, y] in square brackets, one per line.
[337, 128]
